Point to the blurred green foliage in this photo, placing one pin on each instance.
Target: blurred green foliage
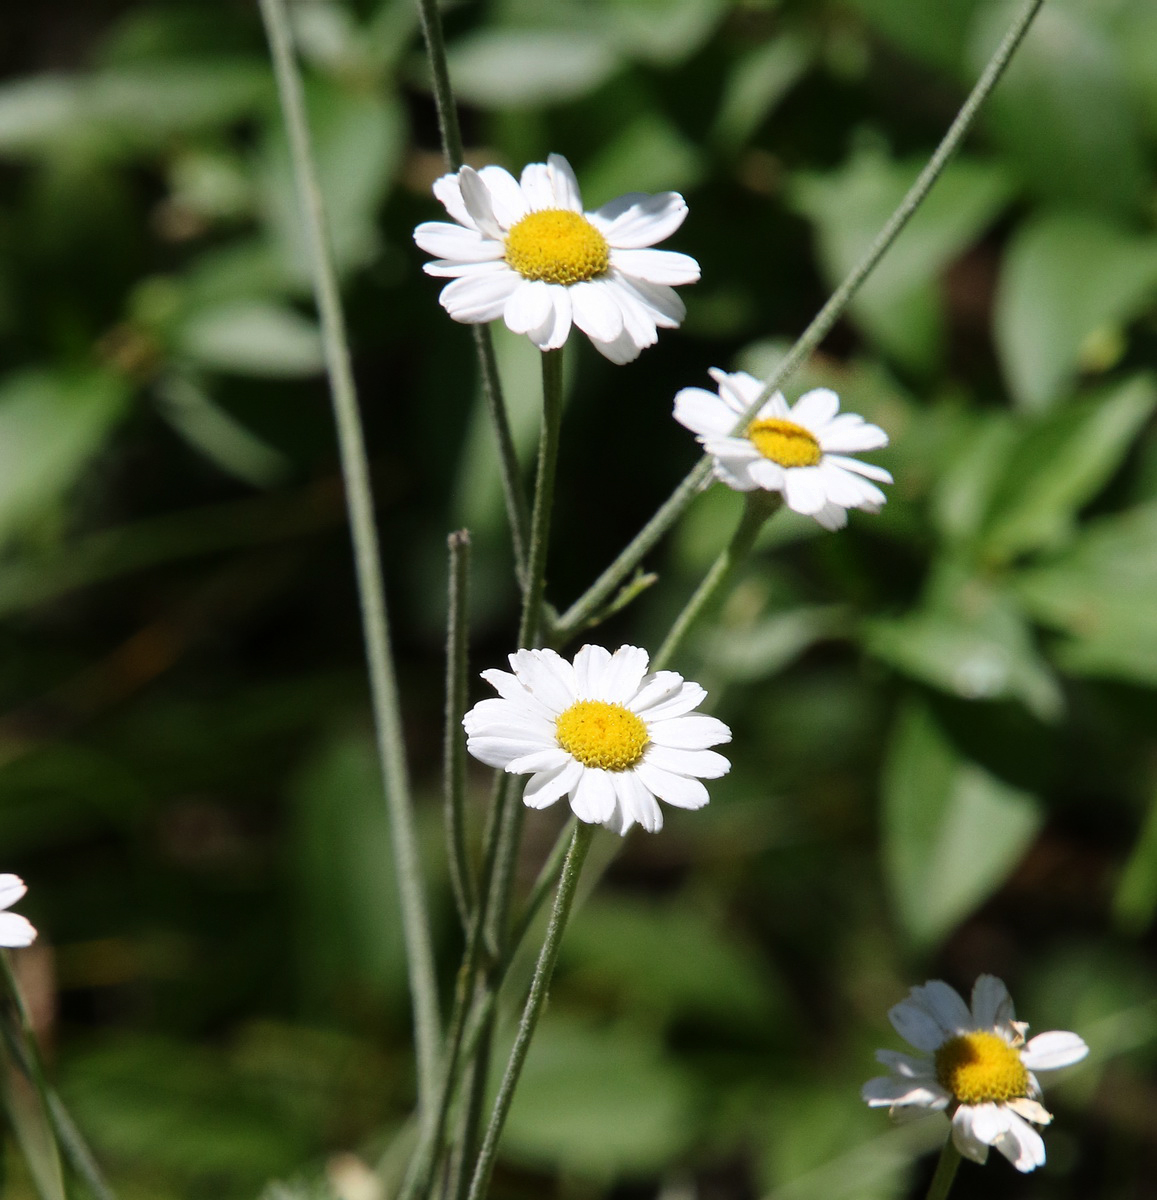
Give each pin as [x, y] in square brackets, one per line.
[945, 759]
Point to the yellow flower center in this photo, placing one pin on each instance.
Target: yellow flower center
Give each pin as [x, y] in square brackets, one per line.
[785, 442]
[557, 246]
[979, 1068]
[602, 735]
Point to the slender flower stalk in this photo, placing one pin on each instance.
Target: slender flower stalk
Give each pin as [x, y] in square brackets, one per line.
[603, 589]
[548, 956]
[453, 748]
[759, 506]
[946, 1166]
[363, 530]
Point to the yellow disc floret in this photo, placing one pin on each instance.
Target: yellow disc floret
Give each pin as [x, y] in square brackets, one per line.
[981, 1068]
[557, 246]
[785, 442]
[602, 735]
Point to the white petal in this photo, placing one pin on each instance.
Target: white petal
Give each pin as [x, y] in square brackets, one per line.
[624, 349]
[991, 1003]
[769, 475]
[476, 197]
[832, 517]
[704, 764]
[564, 184]
[1030, 1110]
[547, 758]
[735, 475]
[885, 1091]
[737, 389]
[869, 470]
[538, 187]
[479, 297]
[15, 930]
[548, 677]
[679, 790]
[695, 732]
[637, 220]
[662, 303]
[590, 663]
[944, 1004]
[964, 1138]
[596, 311]
[1021, 1144]
[12, 887]
[848, 490]
[511, 688]
[499, 751]
[803, 488]
[636, 802]
[529, 306]
[448, 190]
[455, 243]
[666, 694]
[505, 718]
[703, 412]
[594, 799]
[638, 319]
[916, 1026]
[910, 1066]
[546, 787]
[552, 333]
[849, 433]
[505, 195]
[624, 675]
[1050, 1051]
[656, 266]
[816, 408]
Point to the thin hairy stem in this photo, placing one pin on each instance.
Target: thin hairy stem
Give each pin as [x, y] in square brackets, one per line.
[363, 530]
[454, 742]
[544, 969]
[945, 1172]
[600, 592]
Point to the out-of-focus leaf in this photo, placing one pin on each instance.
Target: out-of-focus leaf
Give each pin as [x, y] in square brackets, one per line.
[660, 31]
[1064, 278]
[36, 111]
[977, 459]
[358, 139]
[1101, 590]
[30, 1127]
[952, 831]
[251, 338]
[598, 1103]
[522, 68]
[1133, 29]
[51, 426]
[763, 649]
[1061, 463]
[933, 33]
[758, 81]
[1135, 900]
[649, 155]
[1063, 111]
[899, 305]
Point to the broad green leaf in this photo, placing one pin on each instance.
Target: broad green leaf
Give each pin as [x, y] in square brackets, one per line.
[1101, 591]
[523, 68]
[757, 83]
[953, 832]
[979, 453]
[771, 644]
[51, 426]
[1063, 112]
[648, 155]
[898, 305]
[1065, 277]
[934, 33]
[251, 337]
[660, 31]
[1061, 463]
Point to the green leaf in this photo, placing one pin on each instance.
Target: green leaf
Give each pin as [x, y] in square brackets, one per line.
[251, 337]
[660, 31]
[1061, 463]
[1135, 898]
[899, 305]
[756, 84]
[1063, 112]
[953, 832]
[933, 33]
[52, 424]
[1065, 278]
[648, 155]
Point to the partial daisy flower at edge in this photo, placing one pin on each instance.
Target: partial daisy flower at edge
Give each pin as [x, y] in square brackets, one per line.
[801, 451]
[15, 930]
[524, 250]
[977, 1065]
[602, 731]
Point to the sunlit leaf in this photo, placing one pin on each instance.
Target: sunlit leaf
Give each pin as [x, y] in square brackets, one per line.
[251, 338]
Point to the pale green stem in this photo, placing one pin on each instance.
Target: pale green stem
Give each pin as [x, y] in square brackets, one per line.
[513, 495]
[539, 892]
[21, 1042]
[603, 588]
[479, 1040]
[945, 1172]
[359, 500]
[539, 987]
[454, 741]
[760, 505]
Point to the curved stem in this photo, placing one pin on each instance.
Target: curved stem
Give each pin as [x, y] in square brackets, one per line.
[945, 1171]
[548, 956]
[603, 588]
[760, 505]
[363, 530]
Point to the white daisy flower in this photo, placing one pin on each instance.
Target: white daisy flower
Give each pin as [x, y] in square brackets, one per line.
[527, 252]
[977, 1065]
[801, 451]
[15, 930]
[601, 731]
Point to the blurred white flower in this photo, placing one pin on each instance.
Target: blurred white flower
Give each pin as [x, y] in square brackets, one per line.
[15, 930]
[601, 731]
[526, 251]
[976, 1064]
[801, 451]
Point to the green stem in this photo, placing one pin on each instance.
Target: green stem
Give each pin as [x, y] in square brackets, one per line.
[359, 500]
[21, 1042]
[454, 742]
[760, 505]
[479, 1040]
[539, 892]
[548, 956]
[945, 1171]
[603, 588]
[513, 495]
